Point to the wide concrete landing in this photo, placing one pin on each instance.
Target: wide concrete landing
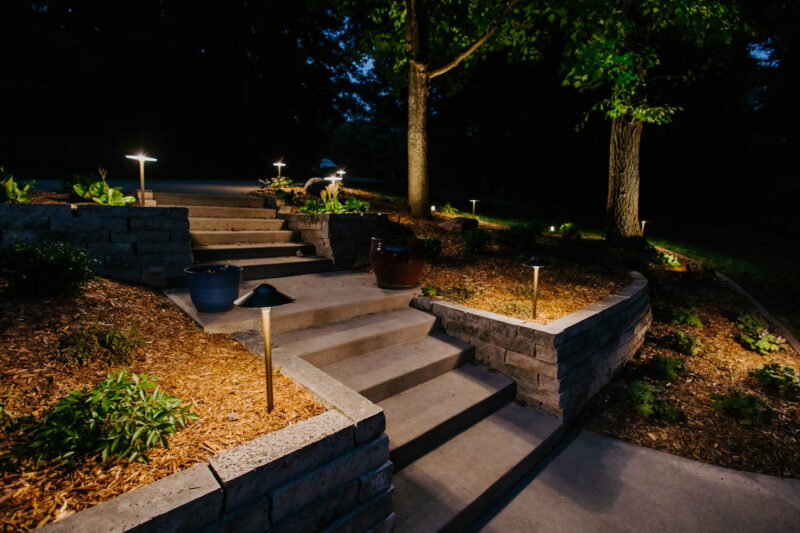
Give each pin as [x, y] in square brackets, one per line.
[320, 299]
[594, 483]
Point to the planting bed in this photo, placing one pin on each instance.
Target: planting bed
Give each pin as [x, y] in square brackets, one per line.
[702, 432]
[221, 380]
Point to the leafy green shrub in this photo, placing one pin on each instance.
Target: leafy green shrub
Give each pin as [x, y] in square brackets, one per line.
[115, 346]
[10, 190]
[685, 317]
[354, 205]
[351, 205]
[448, 209]
[783, 379]
[747, 409]
[569, 230]
[668, 260]
[100, 192]
[756, 337]
[429, 290]
[476, 241]
[68, 184]
[277, 183]
[290, 196]
[669, 367]
[433, 249]
[648, 400]
[123, 417]
[686, 343]
[53, 267]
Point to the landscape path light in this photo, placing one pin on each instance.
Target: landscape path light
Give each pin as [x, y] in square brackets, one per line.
[264, 297]
[473, 206]
[433, 210]
[643, 223]
[334, 179]
[535, 264]
[141, 159]
[341, 174]
[280, 165]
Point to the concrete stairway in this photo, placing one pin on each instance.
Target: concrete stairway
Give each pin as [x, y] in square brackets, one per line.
[239, 230]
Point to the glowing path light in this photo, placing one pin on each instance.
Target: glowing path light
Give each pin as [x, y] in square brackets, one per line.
[141, 159]
[473, 206]
[279, 164]
[643, 223]
[341, 174]
[535, 263]
[334, 179]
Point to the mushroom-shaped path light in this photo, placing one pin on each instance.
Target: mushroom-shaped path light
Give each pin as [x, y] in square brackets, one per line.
[473, 206]
[535, 263]
[263, 297]
[279, 164]
[141, 159]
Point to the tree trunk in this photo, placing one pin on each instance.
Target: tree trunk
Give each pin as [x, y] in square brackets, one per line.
[418, 92]
[417, 45]
[622, 208]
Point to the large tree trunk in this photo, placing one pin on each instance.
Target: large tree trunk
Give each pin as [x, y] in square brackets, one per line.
[418, 91]
[417, 45]
[622, 208]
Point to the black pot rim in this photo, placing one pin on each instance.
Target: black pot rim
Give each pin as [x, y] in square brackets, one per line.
[190, 269]
[398, 239]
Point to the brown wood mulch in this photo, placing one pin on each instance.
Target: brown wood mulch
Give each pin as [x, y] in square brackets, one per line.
[703, 433]
[222, 381]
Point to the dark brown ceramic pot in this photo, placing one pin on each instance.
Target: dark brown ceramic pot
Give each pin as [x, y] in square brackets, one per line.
[398, 263]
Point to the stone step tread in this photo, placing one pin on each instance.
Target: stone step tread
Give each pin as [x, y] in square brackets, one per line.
[249, 246]
[451, 485]
[207, 211]
[243, 237]
[234, 224]
[416, 411]
[368, 372]
[259, 261]
[183, 199]
[365, 333]
[243, 233]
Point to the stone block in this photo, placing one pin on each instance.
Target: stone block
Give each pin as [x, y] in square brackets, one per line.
[104, 211]
[185, 501]
[365, 515]
[185, 259]
[448, 311]
[178, 212]
[373, 483]
[527, 362]
[120, 261]
[253, 517]
[9, 236]
[89, 223]
[489, 353]
[140, 235]
[422, 303]
[180, 236]
[250, 470]
[315, 485]
[546, 354]
[161, 222]
[320, 514]
[121, 273]
[576, 323]
[163, 247]
[384, 526]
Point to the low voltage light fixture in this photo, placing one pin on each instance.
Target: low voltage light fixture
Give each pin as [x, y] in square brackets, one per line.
[280, 165]
[473, 206]
[264, 297]
[535, 263]
[141, 159]
[643, 223]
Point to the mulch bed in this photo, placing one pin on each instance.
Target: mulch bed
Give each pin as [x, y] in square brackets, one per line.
[704, 433]
[222, 381]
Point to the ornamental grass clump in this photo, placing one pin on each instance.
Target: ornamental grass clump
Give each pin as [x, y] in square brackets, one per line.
[121, 418]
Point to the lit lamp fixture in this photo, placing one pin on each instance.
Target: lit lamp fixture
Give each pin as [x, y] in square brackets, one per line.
[341, 174]
[279, 164]
[535, 264]
[433, 210]
[552, 229]
[643, 223]
[473, 206]
[263, 297]
[334, 179]
[141, 159]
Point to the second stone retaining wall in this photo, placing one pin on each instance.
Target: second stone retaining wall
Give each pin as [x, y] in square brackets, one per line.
[561, 365]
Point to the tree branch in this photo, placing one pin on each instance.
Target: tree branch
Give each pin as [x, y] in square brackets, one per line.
[493, 27]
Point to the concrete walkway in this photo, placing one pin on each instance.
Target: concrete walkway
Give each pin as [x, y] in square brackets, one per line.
[595, 483]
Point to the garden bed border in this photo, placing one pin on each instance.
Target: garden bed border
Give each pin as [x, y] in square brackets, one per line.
[561, 365]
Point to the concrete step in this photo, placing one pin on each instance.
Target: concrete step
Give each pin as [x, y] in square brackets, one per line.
[341, 341]
[448, 488]
[202, 211]
[204, 238]
[234, 224]
[181, 199]
[321, 299]
[425, 416]
[278, 267]
[229, 252]
[384, 373]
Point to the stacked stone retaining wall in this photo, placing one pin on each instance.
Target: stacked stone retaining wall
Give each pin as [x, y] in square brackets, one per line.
[146, 244]
[561, 365]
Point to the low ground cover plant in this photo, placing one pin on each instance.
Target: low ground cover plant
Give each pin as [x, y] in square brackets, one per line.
[781, 379]
[670, 368]
[277, 183]
[448, 209]
[12, 191]
[429, 290]
[683, 316]
[433, 249]
[686, 343]
[115, 346]
[122, 417]
[756, 337]
[101, 193]
[569, 230]
[648, 400]
[50, 267]
[668, 260]
[328, 203]
[747, 409]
